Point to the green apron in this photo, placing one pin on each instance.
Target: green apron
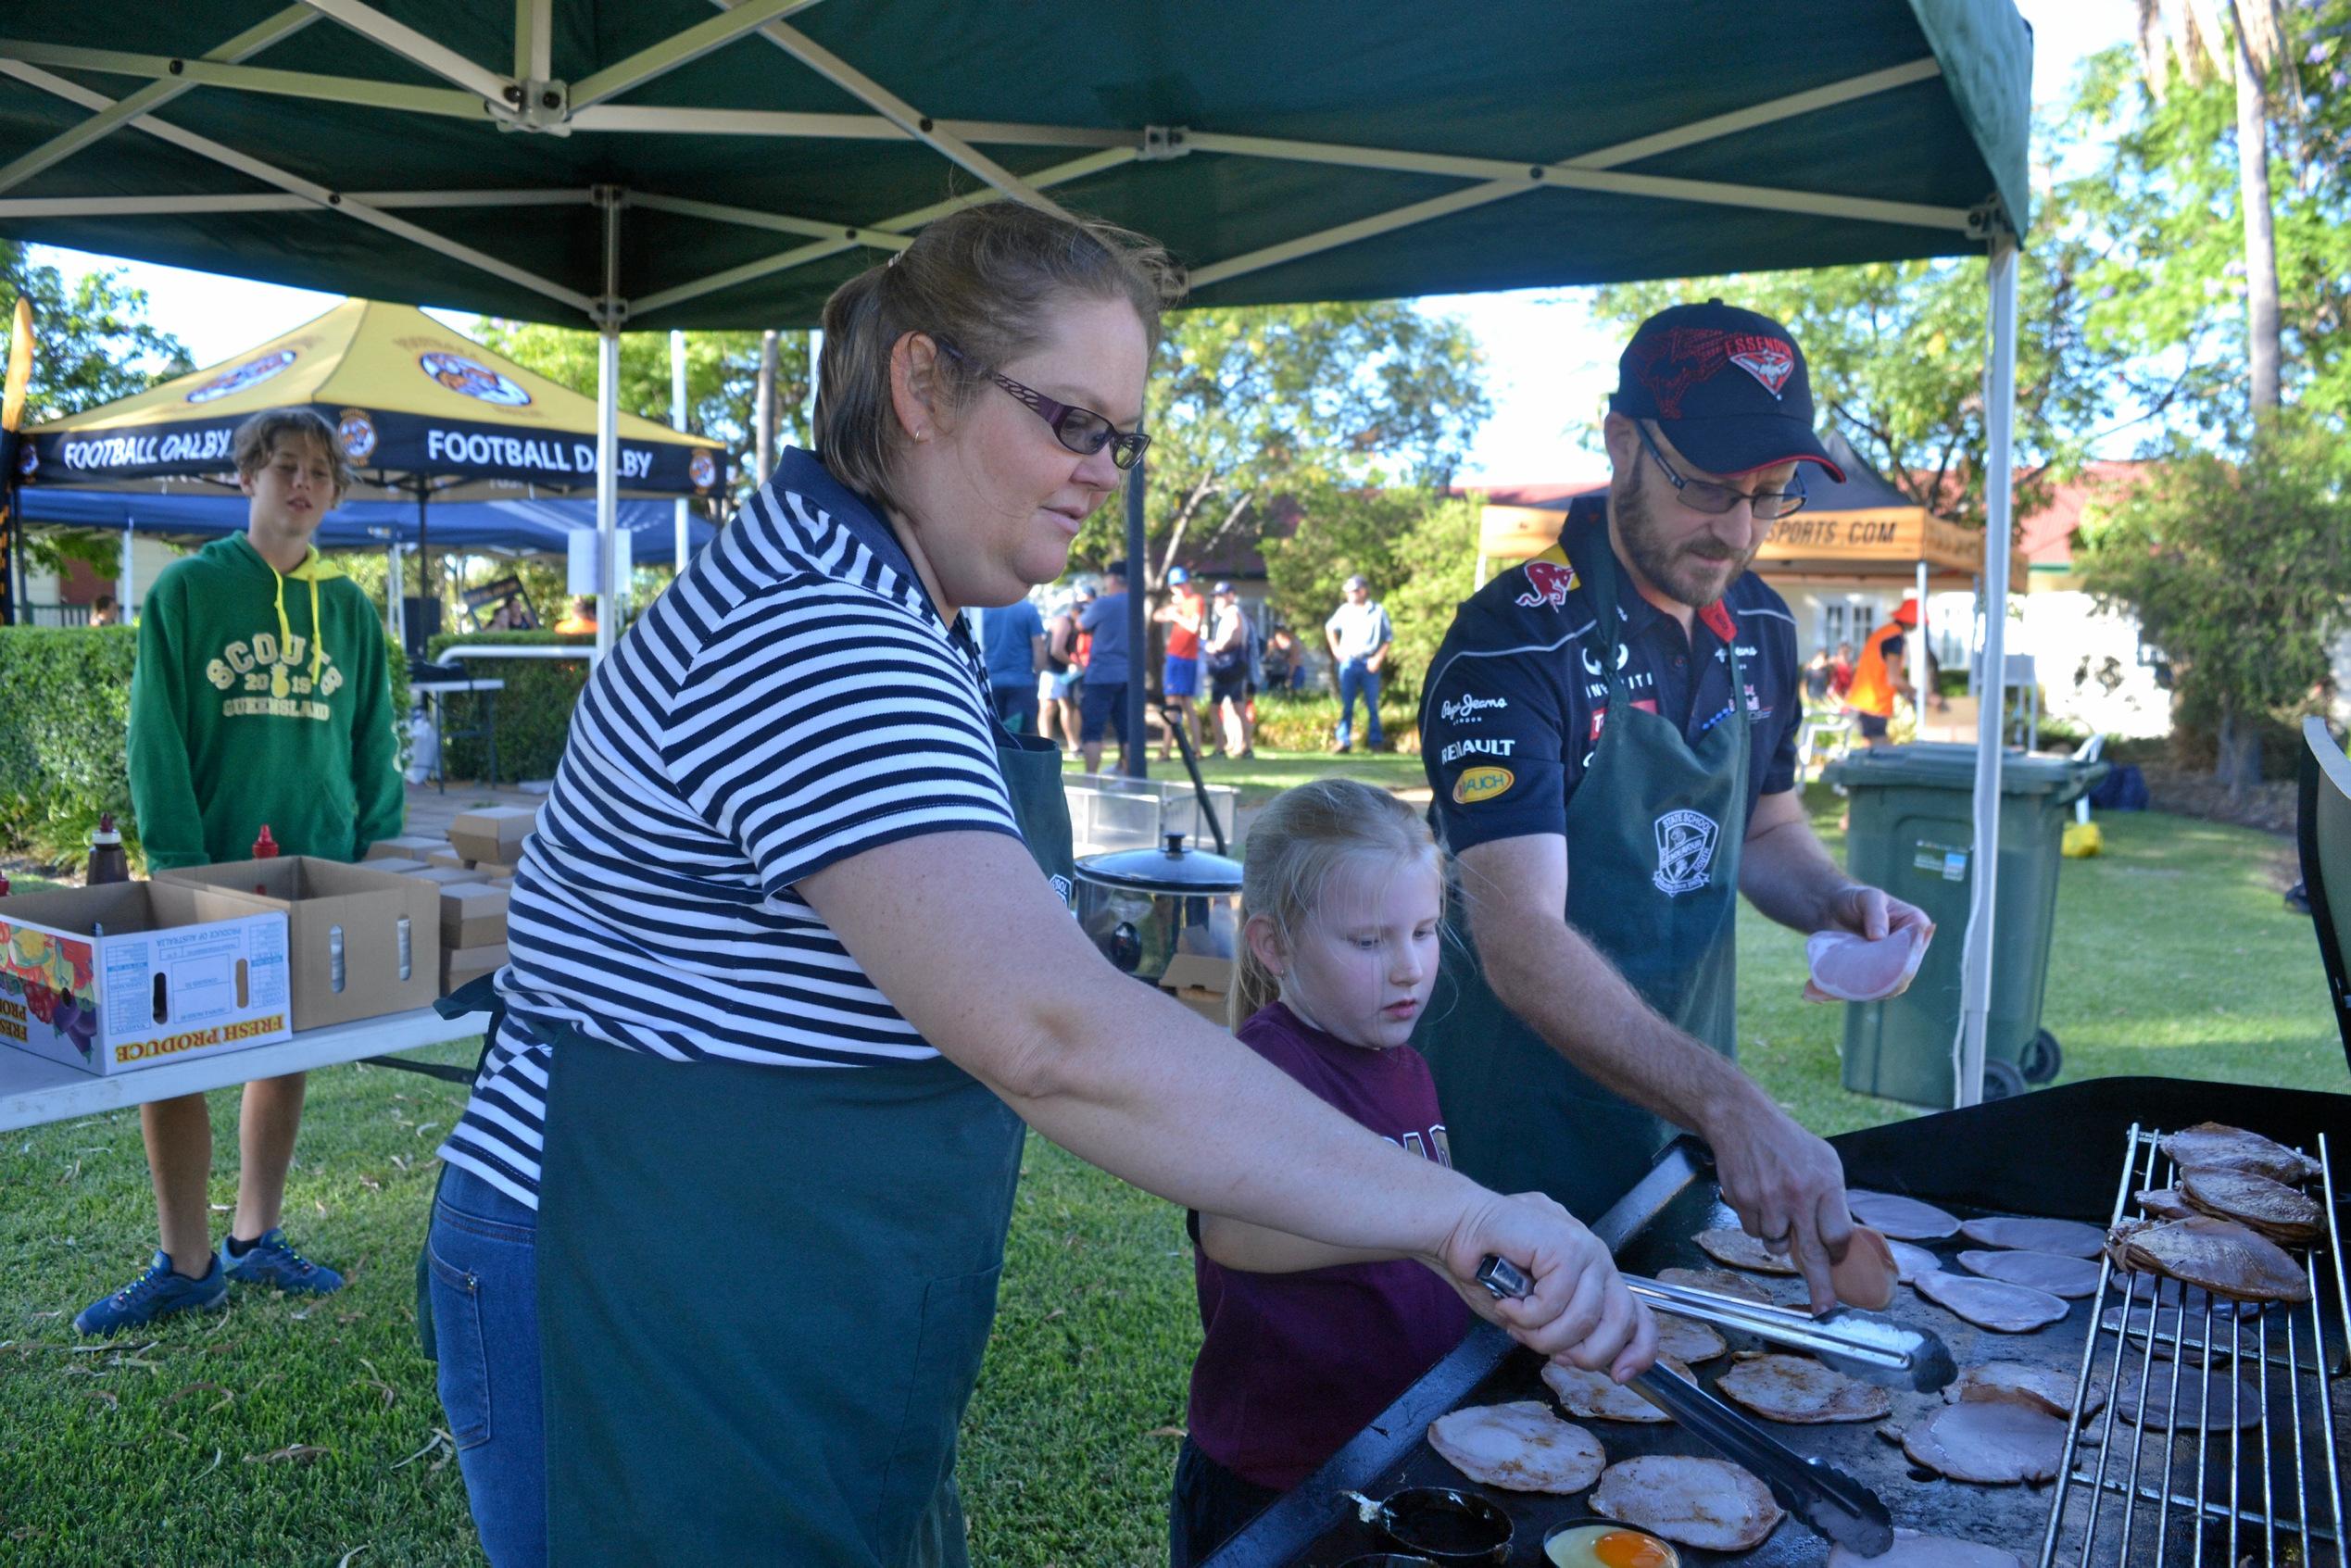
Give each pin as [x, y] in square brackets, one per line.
[765, 1291]
[1654, 831]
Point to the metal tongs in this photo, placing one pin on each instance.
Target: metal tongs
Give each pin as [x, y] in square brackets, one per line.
[1825, 1497]
[1857, 1344]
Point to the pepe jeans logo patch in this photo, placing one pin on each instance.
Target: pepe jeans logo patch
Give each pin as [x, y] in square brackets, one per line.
[1685, 851]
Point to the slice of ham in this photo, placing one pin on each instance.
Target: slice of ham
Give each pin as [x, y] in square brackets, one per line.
[1520, 1447]
[1903, 1218]
[1866, 1274]
[1743, 1251]
[1594, 1396]
[1991, 1303]
[2020, 1233]
[2220, 1255]
[2275, 1210]
[2046, 1390]
[1911, 1261]
[1682, 1340]
[1988, 1441]
[1708, 1503]
[1719, 1282]
[2059, 1275]
[2163, 1203]
[2214, 1146]
[1912, 1549]
[1801, 1391]
[2158, 1399]
[1846, 967]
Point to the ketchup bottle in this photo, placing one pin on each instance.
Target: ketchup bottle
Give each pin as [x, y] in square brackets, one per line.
[108, 860]
[265, 848]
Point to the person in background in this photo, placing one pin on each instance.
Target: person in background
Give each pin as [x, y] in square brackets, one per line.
[262, 698]
[1817, 673]
[1302, 1343]
[1230, 644]
[1841, 672]
[1186, 616]
[1880, 675]
[1013, 640]
[1102, 705]
[104, 612]
[1066, 648]
[582, 621]
[1285, 661]
[1360, 637]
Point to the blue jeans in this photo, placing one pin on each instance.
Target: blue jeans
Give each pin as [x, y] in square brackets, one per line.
[482, 1258]
[1356, 676]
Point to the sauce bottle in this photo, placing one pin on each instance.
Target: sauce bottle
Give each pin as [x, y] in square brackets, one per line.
[108, 860]
[265, 848]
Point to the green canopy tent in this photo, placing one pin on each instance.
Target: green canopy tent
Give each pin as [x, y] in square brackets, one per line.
[685, 163]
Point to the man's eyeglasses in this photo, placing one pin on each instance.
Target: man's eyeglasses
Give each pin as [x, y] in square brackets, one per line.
[1083, 431]
[1701, 496]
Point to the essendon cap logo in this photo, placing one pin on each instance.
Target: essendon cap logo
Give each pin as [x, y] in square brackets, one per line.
[1770, 362]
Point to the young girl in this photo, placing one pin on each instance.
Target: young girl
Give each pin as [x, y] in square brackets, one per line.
[1304, 1343]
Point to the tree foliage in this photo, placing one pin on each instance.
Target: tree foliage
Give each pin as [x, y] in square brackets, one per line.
[2239, 571]
[1418, 547]
[722, 373]
[1254, 410]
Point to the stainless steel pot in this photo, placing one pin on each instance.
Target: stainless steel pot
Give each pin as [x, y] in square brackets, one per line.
[1142, 907]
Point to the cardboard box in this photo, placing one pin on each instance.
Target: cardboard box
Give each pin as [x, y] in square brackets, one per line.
[131, 974]
[361, 943]
[408, 847]
[443, 876]
[506, 882]
[461, 966]
[396, 866]
[1200, 983]
[494, 833]
[486, 870]
[472, 915]
[446, 855]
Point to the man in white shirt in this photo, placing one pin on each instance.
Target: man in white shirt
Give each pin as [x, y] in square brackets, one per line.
[1360, 637]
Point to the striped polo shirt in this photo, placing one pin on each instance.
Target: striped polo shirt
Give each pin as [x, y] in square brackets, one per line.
[792, 699]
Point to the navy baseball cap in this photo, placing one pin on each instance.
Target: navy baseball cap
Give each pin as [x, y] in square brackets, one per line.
[1727, 386]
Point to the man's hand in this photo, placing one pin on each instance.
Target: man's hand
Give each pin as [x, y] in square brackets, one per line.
[1789, 1189]
[1869, 913]
[1577, 1310]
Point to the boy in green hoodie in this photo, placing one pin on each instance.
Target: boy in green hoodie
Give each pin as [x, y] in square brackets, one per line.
[262, 697]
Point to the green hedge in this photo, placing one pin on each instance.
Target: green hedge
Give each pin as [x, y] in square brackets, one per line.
[1306, 722]
[65, 712]
[533, 712]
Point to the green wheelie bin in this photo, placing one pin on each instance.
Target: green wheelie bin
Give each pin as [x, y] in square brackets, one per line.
[1913, 833]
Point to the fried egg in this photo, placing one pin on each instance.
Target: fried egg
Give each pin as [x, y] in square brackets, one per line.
[1609, 1546]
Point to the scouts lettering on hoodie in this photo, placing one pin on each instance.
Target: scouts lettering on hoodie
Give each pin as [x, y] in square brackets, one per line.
[276, 678]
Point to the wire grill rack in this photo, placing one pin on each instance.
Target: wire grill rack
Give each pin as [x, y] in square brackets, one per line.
[2233, 1458]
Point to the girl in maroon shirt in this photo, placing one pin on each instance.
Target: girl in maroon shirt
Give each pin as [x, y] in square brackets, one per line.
[1303, 1343]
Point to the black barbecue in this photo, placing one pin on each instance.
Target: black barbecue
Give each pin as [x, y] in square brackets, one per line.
[2268, 1492]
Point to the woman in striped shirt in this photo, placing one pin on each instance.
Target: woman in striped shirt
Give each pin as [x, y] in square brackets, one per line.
[715, 1252]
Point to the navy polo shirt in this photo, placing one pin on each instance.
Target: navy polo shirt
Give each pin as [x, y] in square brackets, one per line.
[1516, 698]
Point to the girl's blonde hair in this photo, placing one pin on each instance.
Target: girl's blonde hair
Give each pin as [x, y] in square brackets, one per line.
[1301, 839]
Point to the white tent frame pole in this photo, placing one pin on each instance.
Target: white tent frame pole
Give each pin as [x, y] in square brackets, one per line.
[677, 422]
[782, 223]
[2000, 407]
[914, 121]
[638, 119]
[680, 48]
[1078, 169]
[533, 40]
[143, 207]
[126, 587]
[608, 428]
[416, 49]
[270, 173]
[1917, 660]
[362, 91]
[251, 42]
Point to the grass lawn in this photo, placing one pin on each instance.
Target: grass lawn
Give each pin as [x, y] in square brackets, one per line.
[190, 1444]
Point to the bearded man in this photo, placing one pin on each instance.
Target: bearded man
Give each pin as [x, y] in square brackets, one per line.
[1610, 734]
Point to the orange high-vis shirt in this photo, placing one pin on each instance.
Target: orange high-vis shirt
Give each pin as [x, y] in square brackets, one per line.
[1872, 690]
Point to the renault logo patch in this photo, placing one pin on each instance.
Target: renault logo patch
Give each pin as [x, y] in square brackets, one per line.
[1482, 783]
[1685, 851]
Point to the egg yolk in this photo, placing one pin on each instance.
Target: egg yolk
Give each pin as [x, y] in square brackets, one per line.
[1622, 1548]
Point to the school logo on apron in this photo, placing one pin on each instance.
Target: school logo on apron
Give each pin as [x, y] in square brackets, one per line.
[1685, 851]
